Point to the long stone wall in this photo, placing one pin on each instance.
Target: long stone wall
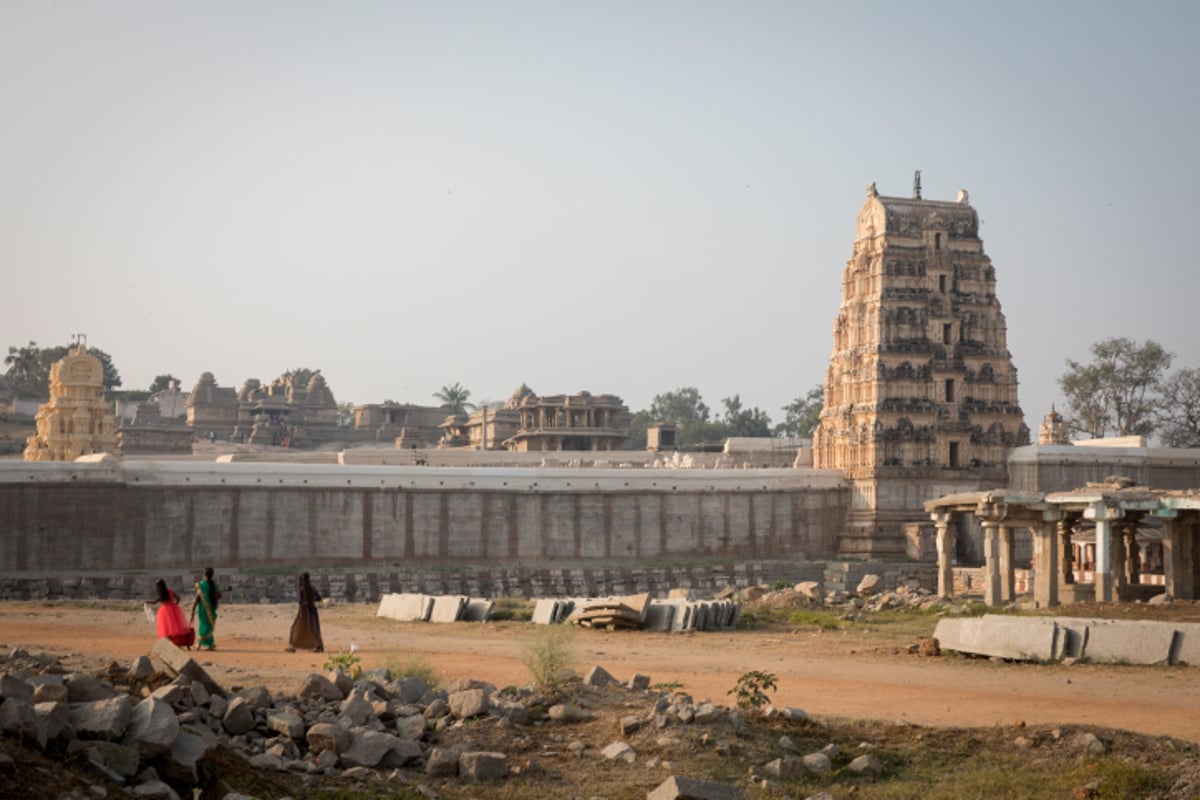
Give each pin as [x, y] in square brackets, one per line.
[158, 515]
[1061, 468]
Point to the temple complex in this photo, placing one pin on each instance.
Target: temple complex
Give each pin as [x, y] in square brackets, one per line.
[76, 421]
[529, 423]
[920, 392]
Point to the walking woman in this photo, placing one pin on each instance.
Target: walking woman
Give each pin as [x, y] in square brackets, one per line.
[208, 594]
[306, 628]
[169, 620]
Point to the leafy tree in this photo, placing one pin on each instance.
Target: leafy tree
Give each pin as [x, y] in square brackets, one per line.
[638, 425]
[679, 407]
[1179, 409]
[1117, 393]
[745, 421]
[345, 415]
[454, 398]
[162, 382]
[803, 414]
[23, 367]
[32, 367]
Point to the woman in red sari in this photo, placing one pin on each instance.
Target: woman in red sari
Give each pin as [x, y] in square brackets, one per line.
[170, 620]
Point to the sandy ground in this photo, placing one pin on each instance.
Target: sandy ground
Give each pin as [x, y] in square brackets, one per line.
[861, 675]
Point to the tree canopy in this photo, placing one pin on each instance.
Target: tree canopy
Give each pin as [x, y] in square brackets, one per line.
[1117, 393]
[162, 382]
[803, 414]
[1179, 413]
[29, 368]
[454, 398]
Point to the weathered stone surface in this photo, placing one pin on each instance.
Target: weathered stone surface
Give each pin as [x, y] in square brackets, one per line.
[142, 667]
[83, 688]
[102, 719]
[639, 682]
[268, 761]
[16, 688]
[619, 751]
[239, 717]
[447, 608]
[157, 790]
[153, 727]
[319, 687]
[631, 724]
[327, 736]
[405, 607]
[681, 788]
[410, 728]
[180, 764]
[375, 748]
[817, 763]
[868, 585]
[287, 723]
[121, 759]
[173, 661]
[1017, 638]
[408, 689]
[598, 676]
[55, 717]
[478, 609]
[342, 681]
[257, 696]
[565, 712]
[483, 766]
[19, 718]
[865, 765]
[217, 706]
[706, 713]
[809, 590]
[443, 762]
[356, 709]
[784, 768]
[1126, 642]
[468, 703]
[200, 695]
[176, 694]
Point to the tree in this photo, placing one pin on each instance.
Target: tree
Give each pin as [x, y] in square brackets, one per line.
[23, 367]
[454, 398]
[29, 367]
[679, 407]
[300, 376]
[1117, 393]
[745, 421]
[803, 414]
[1179, 410]
[162, 382]
[345, 415]
[639, 423]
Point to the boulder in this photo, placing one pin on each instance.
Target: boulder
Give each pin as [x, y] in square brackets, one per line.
[173, 661]
[153, 727]
[817, 763]
[411, 728]
[20, 719]
[181, 762]
[239, 717]
[378, 749]
[142, 667]
[865, 765]
[287, 723]
[599, 676]
[409, 689]
[468, 703]
[82, 688]
[868, 585]
[442, 763]
[356, 709]
[15, 688]
[483, 766]
[680, 788]
[318, 687]
[50, 689]
[55, 717]
[102, 719]
[327, 736]
[619, 751]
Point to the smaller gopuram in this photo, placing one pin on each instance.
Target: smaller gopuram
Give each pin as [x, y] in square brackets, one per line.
[76, 421]
[212, 408]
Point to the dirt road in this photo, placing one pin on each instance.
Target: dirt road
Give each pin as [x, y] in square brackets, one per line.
[861, 675]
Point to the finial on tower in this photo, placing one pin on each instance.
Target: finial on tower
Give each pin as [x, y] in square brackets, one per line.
[871, 190]
[963, 197]
[917, 185]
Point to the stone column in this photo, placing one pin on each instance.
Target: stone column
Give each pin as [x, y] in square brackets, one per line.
[945, 552]
[1047, 545]
[1133, 557]
[991, 563]
[1066, 550]
[1103, 517]
[1172, 561]
[1007, 575]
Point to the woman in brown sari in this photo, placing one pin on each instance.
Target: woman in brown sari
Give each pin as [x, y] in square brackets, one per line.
[306, 628]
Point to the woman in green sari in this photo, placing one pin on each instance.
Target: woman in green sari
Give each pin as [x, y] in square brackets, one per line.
[208, 594]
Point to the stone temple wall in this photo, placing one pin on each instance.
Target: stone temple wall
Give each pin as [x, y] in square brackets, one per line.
[131, 516]
[1061, 468]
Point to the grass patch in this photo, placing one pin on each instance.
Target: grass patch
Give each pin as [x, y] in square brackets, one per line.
[512, 609]
[416, 666]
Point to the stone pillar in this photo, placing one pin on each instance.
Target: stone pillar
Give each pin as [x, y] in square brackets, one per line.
[1007, 575]
[945, 552]
[1103, 517]
[991, 563]
[1133, 554]
[1066, 550]
[1173, 566]
[1047, 545]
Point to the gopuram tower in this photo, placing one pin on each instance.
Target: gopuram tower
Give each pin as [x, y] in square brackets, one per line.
[920, 392]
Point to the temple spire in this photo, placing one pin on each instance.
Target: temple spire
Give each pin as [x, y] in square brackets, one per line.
[917, 185]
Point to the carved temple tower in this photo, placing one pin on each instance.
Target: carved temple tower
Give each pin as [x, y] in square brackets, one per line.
[920, 392]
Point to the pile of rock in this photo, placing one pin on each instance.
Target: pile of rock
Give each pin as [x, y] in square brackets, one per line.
[640, 612]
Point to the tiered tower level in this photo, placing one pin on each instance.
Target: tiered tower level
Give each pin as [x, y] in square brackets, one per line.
[920, 387]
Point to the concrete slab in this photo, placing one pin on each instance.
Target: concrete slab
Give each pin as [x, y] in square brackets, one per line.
[405, 607]
[448, 607]
[659, 616]
[478, 609]
[1128, 642]
[1187, 646]
[545, 611]
[1017, 638]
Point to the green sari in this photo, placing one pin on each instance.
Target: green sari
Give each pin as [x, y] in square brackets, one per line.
[207, 594]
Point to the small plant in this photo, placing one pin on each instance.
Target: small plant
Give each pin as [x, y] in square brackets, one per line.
[548, 654]
[666, 686]
[751, 690]
[780, 585]
[345, 662]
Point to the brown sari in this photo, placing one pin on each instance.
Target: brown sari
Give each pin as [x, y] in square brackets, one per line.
[306, 627]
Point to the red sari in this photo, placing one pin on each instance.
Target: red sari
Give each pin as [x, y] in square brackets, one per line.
[172, 624]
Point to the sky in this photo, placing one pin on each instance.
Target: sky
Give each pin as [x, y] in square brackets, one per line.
[614, 197]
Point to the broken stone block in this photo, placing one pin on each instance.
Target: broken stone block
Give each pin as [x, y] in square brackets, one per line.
[619, 751]
[468, 703]
[865, 765]
[239, 717]
[173, 661]
[153, 727]
[442, 763]
[598, 676]
[102, 719]
[680, 788]
[483, 766]
[327, 736]
[318, 687]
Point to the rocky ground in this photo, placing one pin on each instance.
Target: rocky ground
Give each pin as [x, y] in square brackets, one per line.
[644, 710]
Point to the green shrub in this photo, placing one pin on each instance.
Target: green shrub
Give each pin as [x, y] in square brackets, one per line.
[416, 666]
[345, 662]
[751, 689]
[548, 653]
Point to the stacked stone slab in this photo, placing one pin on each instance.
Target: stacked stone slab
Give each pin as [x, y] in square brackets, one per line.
[440, 608]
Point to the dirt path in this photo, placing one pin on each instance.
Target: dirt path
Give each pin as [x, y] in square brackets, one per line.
[860, 675]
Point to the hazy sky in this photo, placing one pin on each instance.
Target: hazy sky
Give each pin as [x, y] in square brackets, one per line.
[622, 197]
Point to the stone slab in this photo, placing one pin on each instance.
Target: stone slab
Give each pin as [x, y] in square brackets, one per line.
[1016, 638]
[1127, 642]
[447, 608]
[405, 607]
[170, 659]
[478, 609]
[545, 611]
[1187, 646]
[659, 616]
